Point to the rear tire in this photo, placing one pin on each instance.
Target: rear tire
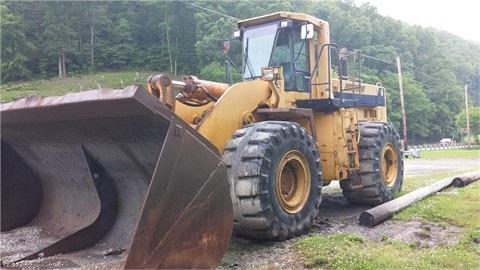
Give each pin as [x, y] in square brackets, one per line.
[381, 166]
[275, 180]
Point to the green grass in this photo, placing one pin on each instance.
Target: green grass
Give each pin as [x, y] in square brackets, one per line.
[351, 251]
[450, 153]
[455, 206]
[414, 182]
[58, 87]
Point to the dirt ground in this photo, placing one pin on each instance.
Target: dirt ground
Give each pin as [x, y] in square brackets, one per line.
[338, 216]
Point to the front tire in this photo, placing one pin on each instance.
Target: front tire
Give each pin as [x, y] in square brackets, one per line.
[381, 166]
[275, 180]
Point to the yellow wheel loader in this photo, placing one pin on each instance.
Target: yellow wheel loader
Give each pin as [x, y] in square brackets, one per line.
[161, 175]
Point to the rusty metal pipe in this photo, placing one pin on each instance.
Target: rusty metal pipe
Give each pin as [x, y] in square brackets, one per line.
[214, 88]
[191, 88]
[466, 179]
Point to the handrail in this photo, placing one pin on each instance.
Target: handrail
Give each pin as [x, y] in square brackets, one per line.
[315, 68]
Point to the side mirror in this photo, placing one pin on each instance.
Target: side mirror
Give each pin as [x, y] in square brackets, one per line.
[306, 32]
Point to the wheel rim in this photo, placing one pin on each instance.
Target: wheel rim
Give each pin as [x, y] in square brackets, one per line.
[292, 182]
[389, 165]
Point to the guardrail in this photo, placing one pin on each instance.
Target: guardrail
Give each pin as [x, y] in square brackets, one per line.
[438, 146]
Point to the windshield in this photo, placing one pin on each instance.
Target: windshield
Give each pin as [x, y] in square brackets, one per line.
[257, 48]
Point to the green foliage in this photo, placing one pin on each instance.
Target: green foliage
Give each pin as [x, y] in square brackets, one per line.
[210, 33]
[474, 121]
[419, 109]
[217, 73]
[15, 47]
[184, 37]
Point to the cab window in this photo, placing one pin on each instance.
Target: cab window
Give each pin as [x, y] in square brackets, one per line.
[291, 53]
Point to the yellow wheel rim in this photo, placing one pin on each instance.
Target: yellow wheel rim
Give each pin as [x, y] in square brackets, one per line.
[292, 182]
[389, 165]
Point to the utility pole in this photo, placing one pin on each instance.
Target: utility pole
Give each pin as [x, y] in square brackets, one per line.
[468, 118]
[402, 104]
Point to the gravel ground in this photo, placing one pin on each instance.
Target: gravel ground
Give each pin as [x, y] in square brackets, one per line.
[336, 215]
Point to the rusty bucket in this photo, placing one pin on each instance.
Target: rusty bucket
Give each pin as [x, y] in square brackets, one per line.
[110, 170]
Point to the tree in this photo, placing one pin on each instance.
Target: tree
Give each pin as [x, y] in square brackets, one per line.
[420, 111]
[474, 121]
[210, 33]
[58, 36]
[45, 38]
[217, 73]
[15, 47]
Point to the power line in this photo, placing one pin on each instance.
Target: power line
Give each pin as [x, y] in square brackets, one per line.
[423, 74]
[392, 63]
[378, 59]
[211, 10]
[412, 70]
[470, 92]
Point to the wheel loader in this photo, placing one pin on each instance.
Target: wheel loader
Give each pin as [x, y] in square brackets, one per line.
[159, 176]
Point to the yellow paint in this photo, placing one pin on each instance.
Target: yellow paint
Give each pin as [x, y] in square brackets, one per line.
[236, 107]
[188, 113]
[332, 143]
[226, 116]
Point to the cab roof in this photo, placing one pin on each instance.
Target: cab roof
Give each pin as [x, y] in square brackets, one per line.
[281, 16]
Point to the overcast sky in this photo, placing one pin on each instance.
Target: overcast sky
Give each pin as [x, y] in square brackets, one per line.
[459, 17]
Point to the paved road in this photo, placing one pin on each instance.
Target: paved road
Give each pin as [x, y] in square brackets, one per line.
[419, 166]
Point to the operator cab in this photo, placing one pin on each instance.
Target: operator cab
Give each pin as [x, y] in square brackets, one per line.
[279, 43]
[300, 44]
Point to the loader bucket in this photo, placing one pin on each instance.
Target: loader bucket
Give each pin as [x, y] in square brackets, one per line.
[109, 176]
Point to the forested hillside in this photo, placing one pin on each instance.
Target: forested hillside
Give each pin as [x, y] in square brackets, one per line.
[64, 38]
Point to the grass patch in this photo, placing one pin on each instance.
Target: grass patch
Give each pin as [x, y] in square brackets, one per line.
[59, 87]
[351, 251]
[450, 153]
[453, 206]
[414, 182]
[456, 206]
